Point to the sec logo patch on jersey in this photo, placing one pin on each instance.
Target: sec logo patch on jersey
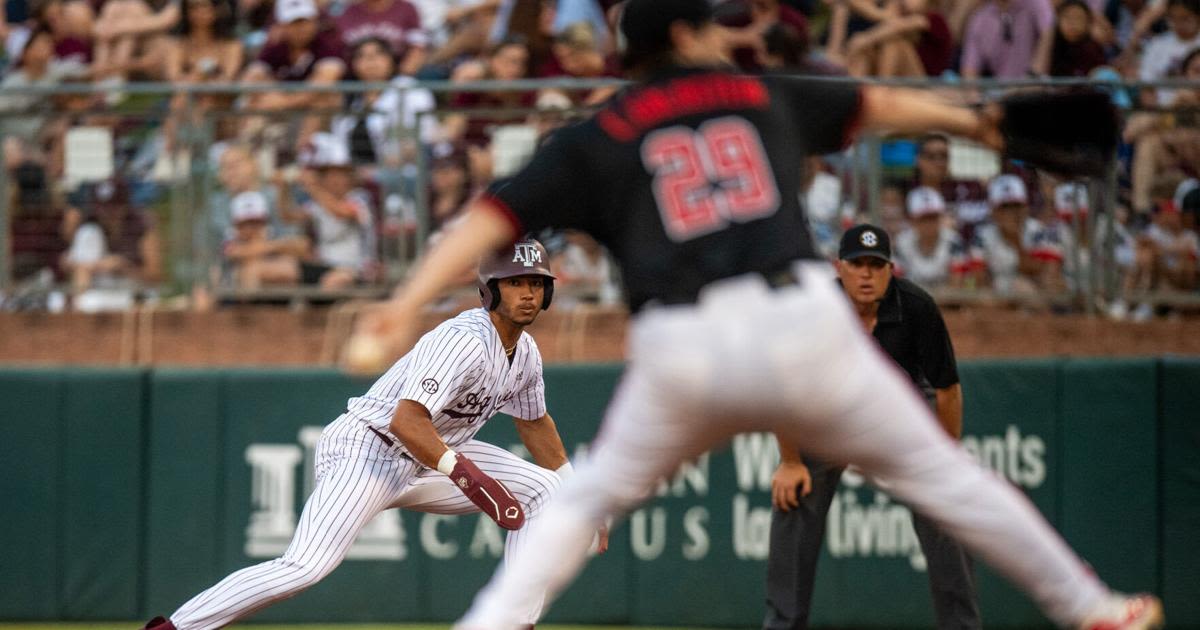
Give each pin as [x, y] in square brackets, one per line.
[430, 386]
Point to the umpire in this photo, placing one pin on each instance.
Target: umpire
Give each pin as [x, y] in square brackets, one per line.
[907, 324]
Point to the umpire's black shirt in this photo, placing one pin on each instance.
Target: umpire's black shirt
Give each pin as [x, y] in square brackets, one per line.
[910, 328]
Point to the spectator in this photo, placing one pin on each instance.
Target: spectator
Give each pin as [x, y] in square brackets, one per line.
[239, 173]
[1073, 52]
[1175, 249]
[372, 127]
[72, 23]
[254, 254]
[506, 61]
[340, 215]
[1003, 36]
[1132, 20]
[34, 67]
[1005, 246]
[394, 21]
[309, 50]
[966, 199]
[204, 49]
[114, 250]
[35, 227]
[585, 273]
[1164, 52]
[912, 41]
[930, 253]
[458, 28]
[749, 22]
[1165, 143]
[131, 38]
[449, 188]
[577, 54]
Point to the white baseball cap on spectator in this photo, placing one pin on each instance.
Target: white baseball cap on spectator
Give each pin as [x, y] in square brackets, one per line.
[1006, 189]
[249, 206]
[287, 11]
[326, 150]
[1069, 198]
[924, 201]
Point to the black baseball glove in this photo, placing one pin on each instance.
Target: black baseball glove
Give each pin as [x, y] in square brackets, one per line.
[1071, 132]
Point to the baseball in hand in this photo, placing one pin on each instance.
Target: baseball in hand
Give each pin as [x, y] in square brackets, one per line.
[365, 354]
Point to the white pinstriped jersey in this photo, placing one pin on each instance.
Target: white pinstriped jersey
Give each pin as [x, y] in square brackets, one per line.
[459, 372]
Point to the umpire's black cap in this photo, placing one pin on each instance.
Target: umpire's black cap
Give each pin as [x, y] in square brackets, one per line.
[865, 240]
[646, 25]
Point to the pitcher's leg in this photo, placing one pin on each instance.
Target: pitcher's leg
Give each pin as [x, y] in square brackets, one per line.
[641, 442]
[877, 421]
[796, 539]
[951, 578]
[349, 495]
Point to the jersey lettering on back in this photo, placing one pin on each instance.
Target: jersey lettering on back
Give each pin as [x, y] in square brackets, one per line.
[688, 178]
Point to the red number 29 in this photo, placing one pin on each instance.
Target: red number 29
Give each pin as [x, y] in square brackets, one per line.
[711, 177]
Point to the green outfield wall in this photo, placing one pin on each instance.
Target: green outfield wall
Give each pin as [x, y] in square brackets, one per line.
[127, 491]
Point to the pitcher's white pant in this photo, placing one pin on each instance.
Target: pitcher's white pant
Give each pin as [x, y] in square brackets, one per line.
[358, 476]
[794, 361]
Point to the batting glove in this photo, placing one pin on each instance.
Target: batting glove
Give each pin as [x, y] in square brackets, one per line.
[490, 495]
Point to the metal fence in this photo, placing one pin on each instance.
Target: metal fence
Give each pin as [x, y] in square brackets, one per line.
[114, 198]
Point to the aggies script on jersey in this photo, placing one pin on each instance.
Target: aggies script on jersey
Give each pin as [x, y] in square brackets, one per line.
[691, 177]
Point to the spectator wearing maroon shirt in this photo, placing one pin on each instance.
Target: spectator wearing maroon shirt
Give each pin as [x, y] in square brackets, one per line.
[394, 21]
[71, 24]
[35, 226]
[911, 41]
[1073, 52]
[748, 22]
[507, 60]
[308, 50]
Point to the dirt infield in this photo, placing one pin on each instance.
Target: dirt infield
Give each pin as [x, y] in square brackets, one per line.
[278, 336]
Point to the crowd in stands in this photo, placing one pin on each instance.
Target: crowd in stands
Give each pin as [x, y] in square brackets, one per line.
[320, 188]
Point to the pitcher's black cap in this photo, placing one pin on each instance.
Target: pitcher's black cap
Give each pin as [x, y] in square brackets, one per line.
[646, 25]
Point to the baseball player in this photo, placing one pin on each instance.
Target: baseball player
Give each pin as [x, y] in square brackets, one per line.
[690, 177]
[409, 443]
[906, 323]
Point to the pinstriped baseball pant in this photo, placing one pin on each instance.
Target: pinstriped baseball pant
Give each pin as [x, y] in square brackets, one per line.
[793, 361]
[358, 476]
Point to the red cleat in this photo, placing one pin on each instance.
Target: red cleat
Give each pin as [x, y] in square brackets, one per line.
[1127, 612]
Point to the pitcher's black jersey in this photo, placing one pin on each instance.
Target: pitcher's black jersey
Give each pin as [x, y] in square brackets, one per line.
[691, 177]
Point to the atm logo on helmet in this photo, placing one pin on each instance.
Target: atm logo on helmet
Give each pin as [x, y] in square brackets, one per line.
[527, 254]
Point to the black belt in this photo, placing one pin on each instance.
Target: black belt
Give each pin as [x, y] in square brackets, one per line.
[780, 278]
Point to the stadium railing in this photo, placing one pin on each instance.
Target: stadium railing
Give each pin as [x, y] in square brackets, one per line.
[153, 152]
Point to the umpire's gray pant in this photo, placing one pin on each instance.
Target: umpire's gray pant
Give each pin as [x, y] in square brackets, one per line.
[796, 538]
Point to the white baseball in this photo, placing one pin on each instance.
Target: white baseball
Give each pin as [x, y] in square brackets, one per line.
[365, 354]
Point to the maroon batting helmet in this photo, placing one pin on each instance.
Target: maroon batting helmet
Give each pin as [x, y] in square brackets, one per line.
[524, 258]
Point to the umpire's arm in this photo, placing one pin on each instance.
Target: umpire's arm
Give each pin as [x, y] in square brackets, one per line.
[541, 438]
[949, 409]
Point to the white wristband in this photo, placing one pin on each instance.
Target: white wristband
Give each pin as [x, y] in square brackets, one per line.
[447, 462]
[564, 471]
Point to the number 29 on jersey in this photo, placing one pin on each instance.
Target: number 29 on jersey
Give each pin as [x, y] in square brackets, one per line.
[707, 178]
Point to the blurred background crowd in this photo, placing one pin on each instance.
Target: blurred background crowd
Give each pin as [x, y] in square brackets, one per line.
[335, 138]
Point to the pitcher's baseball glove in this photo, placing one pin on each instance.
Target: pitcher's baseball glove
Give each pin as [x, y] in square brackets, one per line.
[1072, 132]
